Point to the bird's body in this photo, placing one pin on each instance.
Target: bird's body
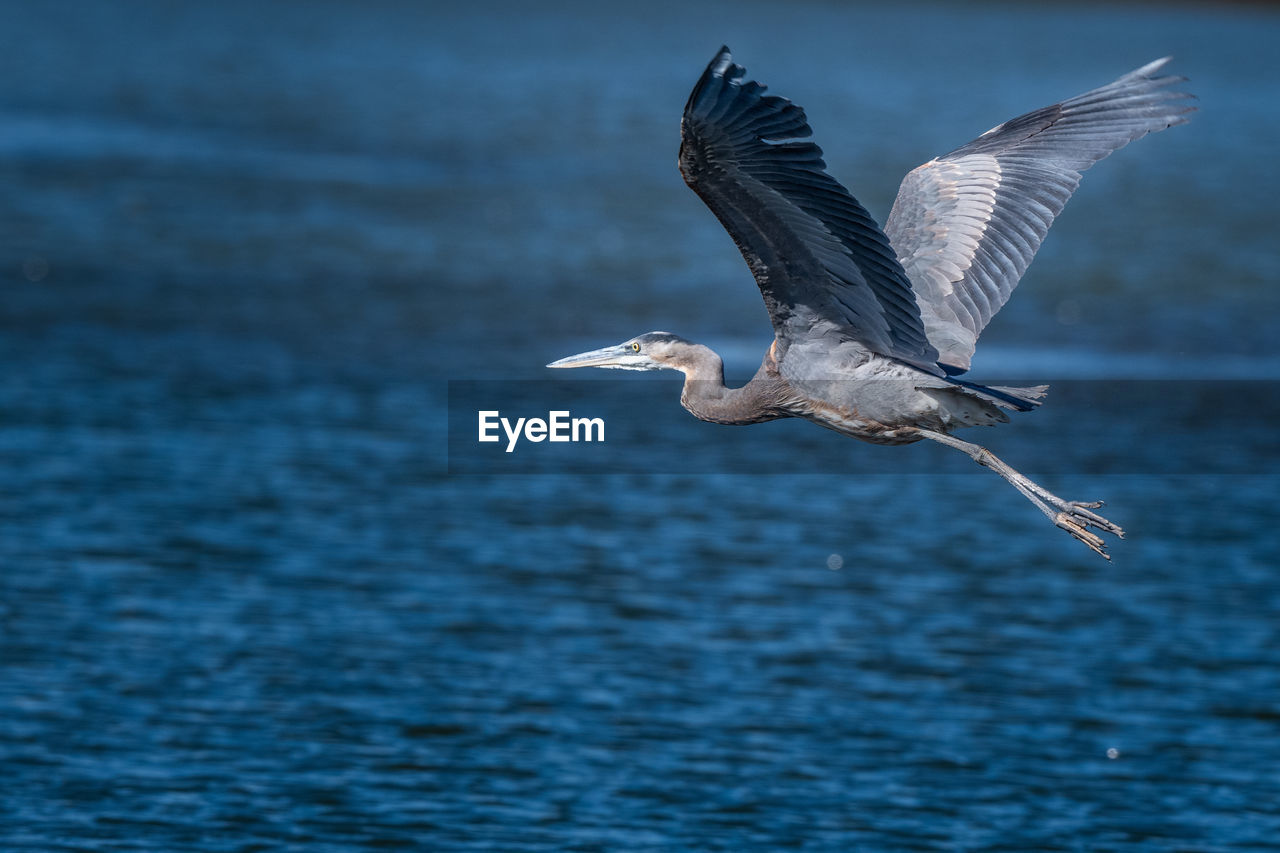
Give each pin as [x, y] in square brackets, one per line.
[872, 398]
[873, 328]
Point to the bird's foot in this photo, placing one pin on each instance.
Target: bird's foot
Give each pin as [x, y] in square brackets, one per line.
[1076, 517]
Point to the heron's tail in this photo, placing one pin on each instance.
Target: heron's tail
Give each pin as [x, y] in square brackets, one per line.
[1018, 399]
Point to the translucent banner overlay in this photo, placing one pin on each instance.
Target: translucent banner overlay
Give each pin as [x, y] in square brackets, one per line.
[635, 424]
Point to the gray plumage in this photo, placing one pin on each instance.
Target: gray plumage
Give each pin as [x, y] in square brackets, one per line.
[872, 328]
[967, 224]
[819, 258]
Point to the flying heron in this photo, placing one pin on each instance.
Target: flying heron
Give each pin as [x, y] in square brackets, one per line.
[873, 328]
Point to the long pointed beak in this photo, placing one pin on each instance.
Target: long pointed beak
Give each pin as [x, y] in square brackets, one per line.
[614, 356]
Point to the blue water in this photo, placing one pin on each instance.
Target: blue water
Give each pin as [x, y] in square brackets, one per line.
[245, 604]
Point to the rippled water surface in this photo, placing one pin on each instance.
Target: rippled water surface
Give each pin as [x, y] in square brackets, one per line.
[246, 603]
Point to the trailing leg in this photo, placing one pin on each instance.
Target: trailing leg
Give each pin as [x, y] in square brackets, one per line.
[1075, 517]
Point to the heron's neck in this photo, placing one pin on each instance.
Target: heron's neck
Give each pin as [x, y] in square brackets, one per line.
[707, 397]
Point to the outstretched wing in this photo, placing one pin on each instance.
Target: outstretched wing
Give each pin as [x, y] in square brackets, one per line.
[967, 224]
[823, 265]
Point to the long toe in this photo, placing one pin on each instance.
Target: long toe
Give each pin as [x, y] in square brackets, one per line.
[1092, 519]
[1079, 531]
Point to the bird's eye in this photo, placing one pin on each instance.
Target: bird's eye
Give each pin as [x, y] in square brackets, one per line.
[635, 348]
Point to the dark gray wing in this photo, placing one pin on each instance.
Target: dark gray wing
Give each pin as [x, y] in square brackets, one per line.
[967, 224]
[822, 263]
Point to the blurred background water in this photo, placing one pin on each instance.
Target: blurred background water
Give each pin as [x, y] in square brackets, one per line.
[244, 605]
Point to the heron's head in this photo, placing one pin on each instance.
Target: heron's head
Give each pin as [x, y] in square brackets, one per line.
[651, 351]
